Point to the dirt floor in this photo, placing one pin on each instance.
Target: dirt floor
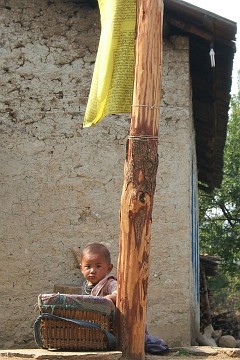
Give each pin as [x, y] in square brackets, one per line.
[183, 356]
[191, 353]
[154, 357]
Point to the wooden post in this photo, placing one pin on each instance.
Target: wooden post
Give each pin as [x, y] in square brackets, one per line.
[139, 181]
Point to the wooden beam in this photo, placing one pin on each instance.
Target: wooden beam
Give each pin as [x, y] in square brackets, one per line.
[190, 28]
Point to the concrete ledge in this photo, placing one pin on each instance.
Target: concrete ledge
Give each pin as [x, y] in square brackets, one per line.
[52, 354]
[207, 351]
[181, 352]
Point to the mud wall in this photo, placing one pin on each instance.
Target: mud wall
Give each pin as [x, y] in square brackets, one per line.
[61, 184]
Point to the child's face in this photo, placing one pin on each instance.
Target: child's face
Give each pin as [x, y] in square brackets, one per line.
[94, 268]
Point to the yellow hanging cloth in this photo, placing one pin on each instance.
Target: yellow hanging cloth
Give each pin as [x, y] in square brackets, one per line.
[112, 82]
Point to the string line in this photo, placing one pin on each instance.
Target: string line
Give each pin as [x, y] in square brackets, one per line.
[149, 106]
[143, 137]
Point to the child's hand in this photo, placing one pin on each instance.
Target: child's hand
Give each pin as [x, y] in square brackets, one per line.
[112, 297]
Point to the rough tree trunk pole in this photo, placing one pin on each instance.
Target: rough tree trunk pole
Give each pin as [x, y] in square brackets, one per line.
[139, 181]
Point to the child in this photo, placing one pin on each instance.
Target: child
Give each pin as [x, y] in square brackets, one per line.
[95, 265]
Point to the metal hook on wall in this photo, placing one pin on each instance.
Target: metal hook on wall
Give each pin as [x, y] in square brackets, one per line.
[212, 55]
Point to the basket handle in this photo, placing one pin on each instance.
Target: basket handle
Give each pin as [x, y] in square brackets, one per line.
[110, 337]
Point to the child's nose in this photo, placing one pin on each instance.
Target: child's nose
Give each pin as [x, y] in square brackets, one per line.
[92, 270]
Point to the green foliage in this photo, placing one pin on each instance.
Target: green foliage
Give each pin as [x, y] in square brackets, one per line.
[183, 352]
[225, 295]
[220, 214]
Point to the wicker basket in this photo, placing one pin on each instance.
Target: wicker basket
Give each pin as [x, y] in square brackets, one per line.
[75, 322]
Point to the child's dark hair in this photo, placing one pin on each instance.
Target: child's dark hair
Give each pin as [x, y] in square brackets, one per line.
[97, 248]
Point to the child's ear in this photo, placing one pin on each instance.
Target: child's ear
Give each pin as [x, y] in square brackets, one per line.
[80, 266]
[110, 267]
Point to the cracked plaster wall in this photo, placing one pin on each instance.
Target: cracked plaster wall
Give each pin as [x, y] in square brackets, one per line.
[61, 185]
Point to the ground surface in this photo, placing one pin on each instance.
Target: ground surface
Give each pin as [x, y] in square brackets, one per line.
[191, 353]
[154, 357]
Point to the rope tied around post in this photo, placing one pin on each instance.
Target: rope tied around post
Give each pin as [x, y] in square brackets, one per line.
[143, 137]
[152, 107]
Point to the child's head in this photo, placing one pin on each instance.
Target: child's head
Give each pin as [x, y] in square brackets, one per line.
[95, 262]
